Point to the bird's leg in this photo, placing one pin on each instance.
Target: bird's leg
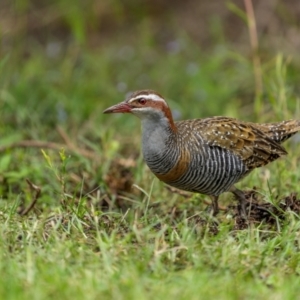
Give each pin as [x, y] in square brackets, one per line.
[214, 204]
[242, 200]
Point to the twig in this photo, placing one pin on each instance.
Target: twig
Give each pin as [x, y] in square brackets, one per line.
[256, 59]
[177, 191]
[50, 145]
[188, 195]
[35, 188]
[65, 137]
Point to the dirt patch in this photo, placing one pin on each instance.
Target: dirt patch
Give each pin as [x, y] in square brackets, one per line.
[257, 209]
[260, 211]
[119, 180]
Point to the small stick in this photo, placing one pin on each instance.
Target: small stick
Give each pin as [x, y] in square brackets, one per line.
[66, 138]
[188, 195]
[254, 45]
[50, 145]
[35, 188]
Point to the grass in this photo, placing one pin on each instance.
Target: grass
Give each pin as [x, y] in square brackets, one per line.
[109, 256]
[91, 234]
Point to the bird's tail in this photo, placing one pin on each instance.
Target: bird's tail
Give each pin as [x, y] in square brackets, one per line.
[281, 131]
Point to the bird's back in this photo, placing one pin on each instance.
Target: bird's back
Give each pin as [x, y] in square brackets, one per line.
[255, 144]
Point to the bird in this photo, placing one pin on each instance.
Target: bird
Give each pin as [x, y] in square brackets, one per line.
[208, 155]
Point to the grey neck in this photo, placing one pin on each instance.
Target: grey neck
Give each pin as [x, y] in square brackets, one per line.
[156, 136]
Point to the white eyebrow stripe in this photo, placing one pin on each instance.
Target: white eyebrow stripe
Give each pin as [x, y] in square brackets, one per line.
[153, 97]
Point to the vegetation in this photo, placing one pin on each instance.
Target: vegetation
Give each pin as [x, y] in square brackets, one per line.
[82, 217]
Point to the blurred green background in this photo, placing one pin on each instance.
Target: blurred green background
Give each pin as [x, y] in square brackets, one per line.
[61, 56]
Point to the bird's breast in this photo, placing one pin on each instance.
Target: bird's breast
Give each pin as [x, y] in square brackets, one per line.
[180, 166]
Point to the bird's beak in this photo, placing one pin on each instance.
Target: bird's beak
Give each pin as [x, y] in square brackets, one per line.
[122, 107]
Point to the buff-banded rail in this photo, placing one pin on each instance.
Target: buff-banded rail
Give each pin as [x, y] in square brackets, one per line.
[207, 156]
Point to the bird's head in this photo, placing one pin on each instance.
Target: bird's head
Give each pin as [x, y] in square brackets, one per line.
[145, 104]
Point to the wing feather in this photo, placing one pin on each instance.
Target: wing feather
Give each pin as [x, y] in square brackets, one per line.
[251, 143]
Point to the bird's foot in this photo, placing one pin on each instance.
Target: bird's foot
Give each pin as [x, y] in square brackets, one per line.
[211, 210]
[214, 207]
[240, 196]
[242, 212]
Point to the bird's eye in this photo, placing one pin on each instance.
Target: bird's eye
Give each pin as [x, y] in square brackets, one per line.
[142, 101]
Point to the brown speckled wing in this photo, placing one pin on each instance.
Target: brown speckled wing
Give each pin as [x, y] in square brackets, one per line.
[253, 144]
